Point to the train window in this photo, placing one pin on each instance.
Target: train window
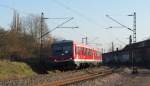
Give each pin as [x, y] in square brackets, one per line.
[98, 53]
[68, 48]
[87, 50]
[77, 50]
[91, 53]
[62, 49]
[82, 50]
[57, 48]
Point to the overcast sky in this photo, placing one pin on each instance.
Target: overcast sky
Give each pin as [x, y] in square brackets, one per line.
[89, 16]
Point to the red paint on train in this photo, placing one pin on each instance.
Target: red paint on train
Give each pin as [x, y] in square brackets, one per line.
[76, 52]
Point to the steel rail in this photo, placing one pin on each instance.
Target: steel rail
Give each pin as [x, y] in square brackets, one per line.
[78, 78]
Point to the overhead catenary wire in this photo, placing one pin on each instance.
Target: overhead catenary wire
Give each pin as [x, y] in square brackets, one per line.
[24, 12]
[57, 27]
[79, 14]
[5, 6]
[88, 19]
[17, 10]
[118, 22]
[62, 5]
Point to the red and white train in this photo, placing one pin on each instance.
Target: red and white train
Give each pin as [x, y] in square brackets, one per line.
[68, 53]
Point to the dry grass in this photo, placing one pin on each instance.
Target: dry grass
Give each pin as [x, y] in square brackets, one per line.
[13, 70]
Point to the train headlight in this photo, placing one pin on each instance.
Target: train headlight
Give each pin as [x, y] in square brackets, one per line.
[62, 54]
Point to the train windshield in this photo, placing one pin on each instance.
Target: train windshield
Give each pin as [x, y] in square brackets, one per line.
[62, 49]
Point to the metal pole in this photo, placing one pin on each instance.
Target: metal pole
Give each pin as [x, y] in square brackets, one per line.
[134, 27]
[82, 40]
[41, 34]
[134, 41]
[130, 51]
[86, 40]
[112, 47]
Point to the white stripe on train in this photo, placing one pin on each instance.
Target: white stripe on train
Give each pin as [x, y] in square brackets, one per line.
[87, 60]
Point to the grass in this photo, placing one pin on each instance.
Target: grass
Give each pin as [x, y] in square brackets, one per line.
[14, 70]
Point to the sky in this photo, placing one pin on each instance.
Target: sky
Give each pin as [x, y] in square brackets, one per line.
[88, 15]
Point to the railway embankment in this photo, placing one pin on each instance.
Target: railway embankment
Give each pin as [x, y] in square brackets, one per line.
[40, 79]
[14, 70]
[123, 78]
[21, 74]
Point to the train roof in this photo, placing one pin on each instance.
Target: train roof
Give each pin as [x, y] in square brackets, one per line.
[62, 41]
[141, 44]
[77, 43]
[85, 45]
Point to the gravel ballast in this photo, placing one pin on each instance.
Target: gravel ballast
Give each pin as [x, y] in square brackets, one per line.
[40, 79]
[123, 78]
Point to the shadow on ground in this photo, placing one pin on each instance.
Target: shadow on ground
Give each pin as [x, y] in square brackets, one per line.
[38, 65]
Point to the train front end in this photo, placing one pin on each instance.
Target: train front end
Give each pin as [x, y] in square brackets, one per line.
[62, 54]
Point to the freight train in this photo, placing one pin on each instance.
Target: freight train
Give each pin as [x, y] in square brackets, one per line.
[139, 52]
[70, 54]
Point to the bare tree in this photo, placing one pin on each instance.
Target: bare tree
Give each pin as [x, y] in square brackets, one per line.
[23, 38]
[16, 22]
[32, 25]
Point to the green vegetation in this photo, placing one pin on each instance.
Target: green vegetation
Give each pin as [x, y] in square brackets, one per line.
[13, 70]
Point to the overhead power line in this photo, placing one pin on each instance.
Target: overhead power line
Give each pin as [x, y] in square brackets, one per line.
[17, 10]
[79, 14]
[57, 27]
[76, 12]
[27, 13]
[60, 4]
[134, 25]
[118, 22]
[5, 6]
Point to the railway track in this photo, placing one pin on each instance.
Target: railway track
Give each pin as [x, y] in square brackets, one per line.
[81, 77]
